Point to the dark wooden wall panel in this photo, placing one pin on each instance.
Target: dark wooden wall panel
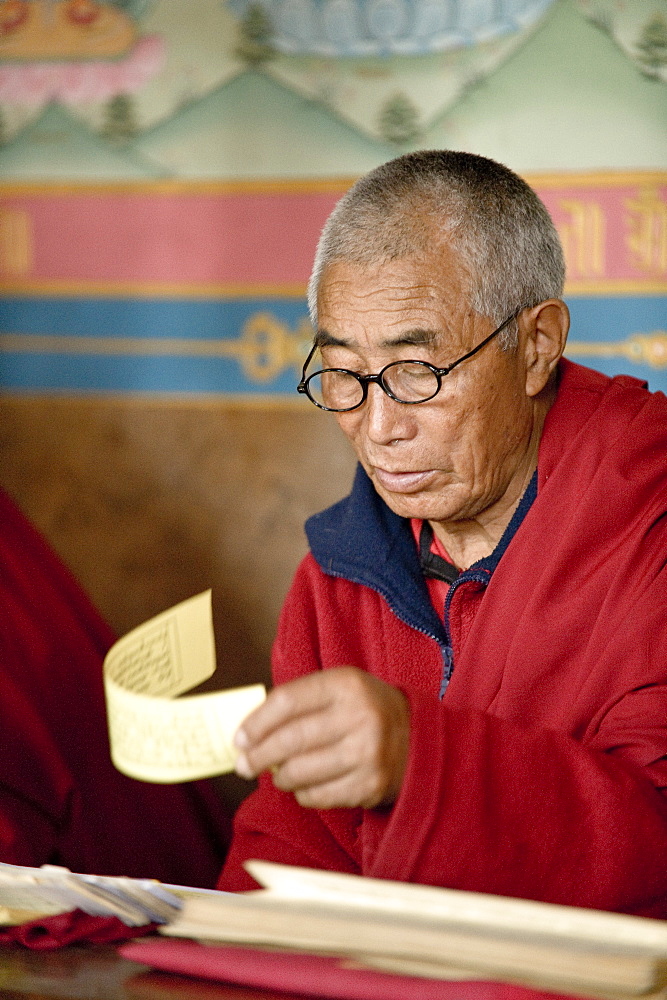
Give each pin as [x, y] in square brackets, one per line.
[150, 502]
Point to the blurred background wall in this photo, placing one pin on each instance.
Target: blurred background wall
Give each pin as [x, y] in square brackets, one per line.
[165, 168]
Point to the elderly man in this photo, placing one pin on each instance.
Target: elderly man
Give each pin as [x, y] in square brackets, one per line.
[471, 664]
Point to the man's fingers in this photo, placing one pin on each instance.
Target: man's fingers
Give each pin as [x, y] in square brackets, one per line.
[317, 730]
[336, 738]
[346, 791]
[318, 767]
[286, 702]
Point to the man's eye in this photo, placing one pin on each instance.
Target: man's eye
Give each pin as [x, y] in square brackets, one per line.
[416, 371]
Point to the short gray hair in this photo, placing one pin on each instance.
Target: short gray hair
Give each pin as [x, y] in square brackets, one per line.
[493, 220]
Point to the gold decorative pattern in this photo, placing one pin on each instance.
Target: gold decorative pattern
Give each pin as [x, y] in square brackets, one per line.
[51, 30]
[583, 238]
[640, 348]
[265, 349]
[647, 237]
[15, 242]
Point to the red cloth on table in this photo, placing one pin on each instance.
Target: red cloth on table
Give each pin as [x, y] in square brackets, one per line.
[75, 927]
[61, 799]
[309, 975]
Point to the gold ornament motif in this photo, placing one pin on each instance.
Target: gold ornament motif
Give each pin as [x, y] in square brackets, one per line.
[265, 350]
[640, 348]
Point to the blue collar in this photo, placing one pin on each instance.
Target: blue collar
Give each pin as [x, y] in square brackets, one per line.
[362, 540]
[490, 562]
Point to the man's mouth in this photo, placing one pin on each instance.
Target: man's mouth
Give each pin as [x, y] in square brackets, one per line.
[402, 482]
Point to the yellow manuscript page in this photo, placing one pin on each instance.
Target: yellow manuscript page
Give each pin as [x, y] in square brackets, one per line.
[154, 735]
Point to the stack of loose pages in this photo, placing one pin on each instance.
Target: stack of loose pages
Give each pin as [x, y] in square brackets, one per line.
[437, 933]
[30, 893]
[410, 930]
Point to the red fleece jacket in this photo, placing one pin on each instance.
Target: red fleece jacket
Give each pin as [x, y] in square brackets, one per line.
[541, 771]
[61, 799]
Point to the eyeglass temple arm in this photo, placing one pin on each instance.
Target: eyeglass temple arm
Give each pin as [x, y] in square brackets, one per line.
[494, 333]
[301, 387]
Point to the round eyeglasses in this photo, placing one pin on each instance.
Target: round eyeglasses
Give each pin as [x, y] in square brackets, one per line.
[340, 390]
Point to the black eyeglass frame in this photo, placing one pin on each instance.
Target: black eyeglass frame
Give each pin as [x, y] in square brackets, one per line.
[365, 380]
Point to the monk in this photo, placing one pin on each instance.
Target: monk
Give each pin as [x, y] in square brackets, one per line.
[471, 665]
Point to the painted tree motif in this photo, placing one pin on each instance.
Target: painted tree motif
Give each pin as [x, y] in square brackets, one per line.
[119, 120]
[398, 121]
[255, 36]
[652, 46]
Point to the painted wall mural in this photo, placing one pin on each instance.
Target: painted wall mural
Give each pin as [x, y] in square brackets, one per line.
[128, 265]
[192, 287]
[96, 58]
[386, 67]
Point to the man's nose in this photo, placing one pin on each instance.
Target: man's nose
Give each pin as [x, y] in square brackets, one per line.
[386, 419]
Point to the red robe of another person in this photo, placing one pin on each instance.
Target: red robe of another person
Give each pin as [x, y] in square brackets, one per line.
[61, 799]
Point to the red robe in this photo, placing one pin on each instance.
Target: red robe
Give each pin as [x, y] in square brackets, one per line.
[541, 772]
[61, 799]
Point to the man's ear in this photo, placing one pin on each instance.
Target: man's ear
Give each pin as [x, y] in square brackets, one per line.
[543, 332]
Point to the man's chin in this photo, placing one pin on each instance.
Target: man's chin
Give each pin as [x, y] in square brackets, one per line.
[418, 505]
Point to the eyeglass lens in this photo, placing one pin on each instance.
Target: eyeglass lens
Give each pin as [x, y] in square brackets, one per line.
[410, 382]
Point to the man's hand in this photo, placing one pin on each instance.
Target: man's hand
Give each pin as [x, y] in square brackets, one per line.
[336, 738]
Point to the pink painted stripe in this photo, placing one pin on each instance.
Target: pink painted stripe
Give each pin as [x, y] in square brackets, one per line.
[180, 238]
[267, 238]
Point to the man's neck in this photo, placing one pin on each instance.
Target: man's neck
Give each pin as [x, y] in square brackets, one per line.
[466, 542]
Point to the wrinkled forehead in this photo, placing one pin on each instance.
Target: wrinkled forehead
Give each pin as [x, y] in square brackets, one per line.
[439, 268]
[421, 292]
[375, 309]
